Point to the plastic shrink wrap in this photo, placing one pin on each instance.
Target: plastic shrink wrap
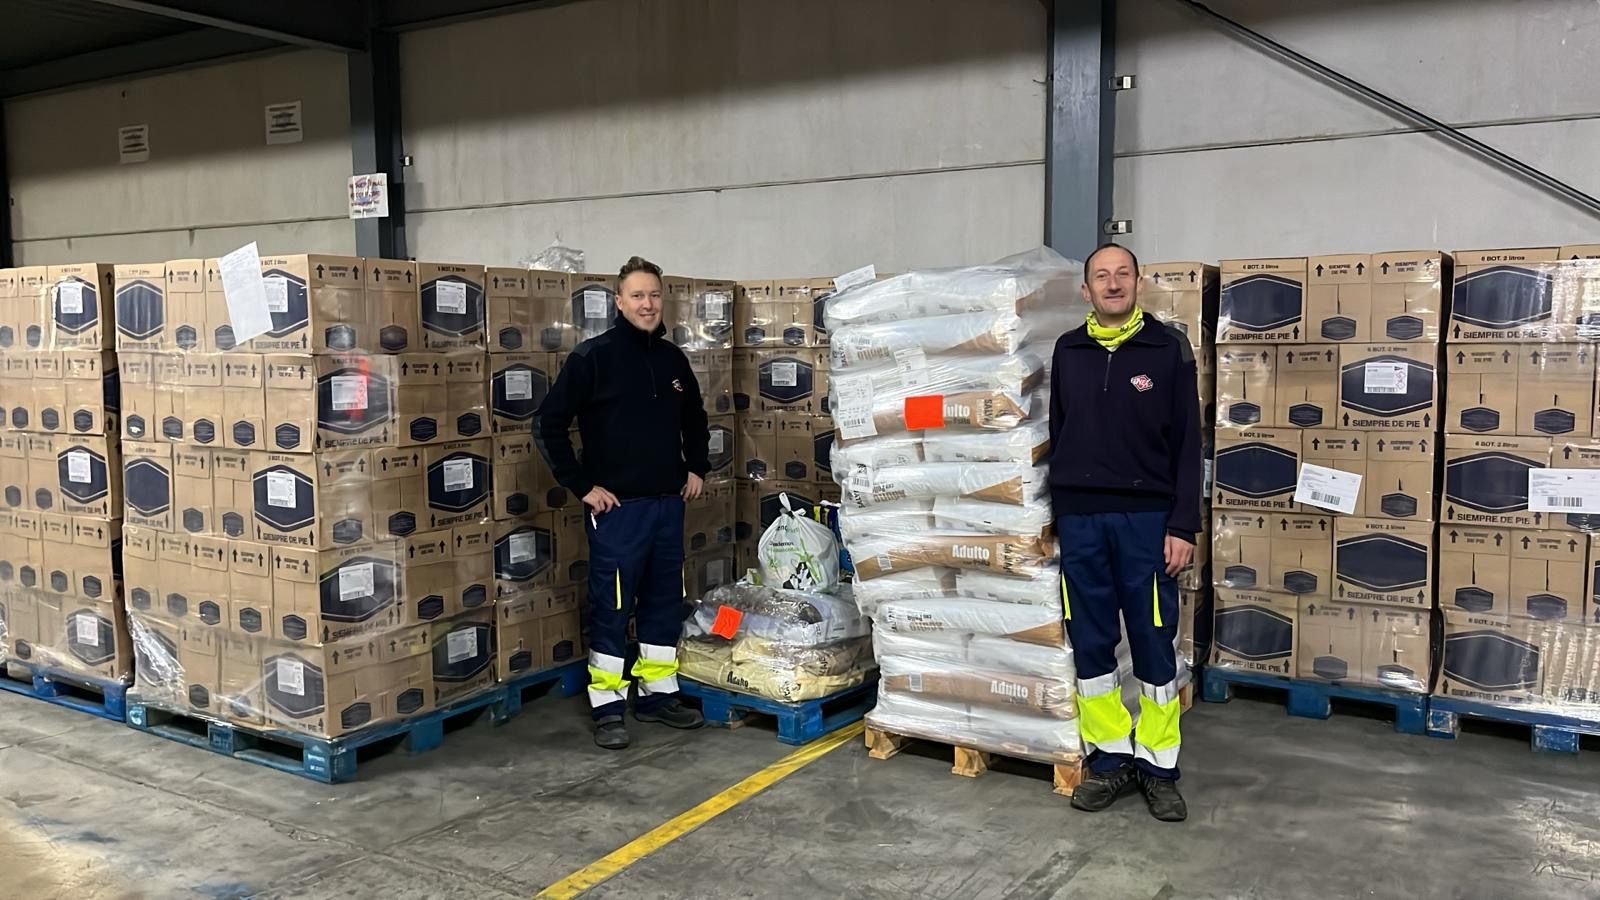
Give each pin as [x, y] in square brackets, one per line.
[779, 644]
[940, 398]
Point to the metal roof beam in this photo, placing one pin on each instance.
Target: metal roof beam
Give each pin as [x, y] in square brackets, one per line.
[321, 24]
[185, 49]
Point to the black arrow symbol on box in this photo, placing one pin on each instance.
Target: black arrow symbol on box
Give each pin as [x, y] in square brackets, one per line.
[1384, 268]
[1361, 268]
[1319, 270]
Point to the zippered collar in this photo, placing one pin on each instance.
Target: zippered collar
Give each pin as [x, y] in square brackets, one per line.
[626, 331]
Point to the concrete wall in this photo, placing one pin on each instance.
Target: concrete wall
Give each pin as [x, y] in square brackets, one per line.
[1224, 152]
[731, 138]
[211, 183]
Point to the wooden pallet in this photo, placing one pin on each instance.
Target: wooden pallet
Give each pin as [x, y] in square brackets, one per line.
[798, 723]
[971, 762]
[95, 696]
[1548, 732]
[1313, 699]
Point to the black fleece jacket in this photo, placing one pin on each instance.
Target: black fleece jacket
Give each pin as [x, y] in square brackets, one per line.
[1125, 427]
[639, 412]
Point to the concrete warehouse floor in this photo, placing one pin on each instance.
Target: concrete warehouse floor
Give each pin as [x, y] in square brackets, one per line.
[1280, 808]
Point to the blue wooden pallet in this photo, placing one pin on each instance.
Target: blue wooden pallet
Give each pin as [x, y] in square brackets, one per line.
[328, 760]
[798, 723]
[95, 696]
[1550, 731]
[564, 680]
[1312, 699]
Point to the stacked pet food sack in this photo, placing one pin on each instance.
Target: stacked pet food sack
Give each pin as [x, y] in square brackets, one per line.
[940, 399]
[796, 636]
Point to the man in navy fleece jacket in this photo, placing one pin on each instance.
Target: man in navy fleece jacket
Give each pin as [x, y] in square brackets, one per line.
[1125, 480]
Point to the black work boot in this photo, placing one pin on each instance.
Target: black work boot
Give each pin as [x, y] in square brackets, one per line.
[1161, 795]
[611, 733]
[673, 714]
[1101, 789]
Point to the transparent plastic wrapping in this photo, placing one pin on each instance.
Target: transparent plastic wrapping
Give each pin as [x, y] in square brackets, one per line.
[983, 727]
[63, 632]
[780, 644]
[556, 257]
[1530, 295]
[973, 334]
[1002, 483]
[1028, 282]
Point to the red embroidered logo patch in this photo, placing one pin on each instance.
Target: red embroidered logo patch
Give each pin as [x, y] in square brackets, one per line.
[1142, 382]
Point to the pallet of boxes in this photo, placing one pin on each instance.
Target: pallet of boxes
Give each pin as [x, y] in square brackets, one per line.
[308, 543]
[1517, 546]
[1328, 420]
[62, 616]
[1184, 296]
[940, 393]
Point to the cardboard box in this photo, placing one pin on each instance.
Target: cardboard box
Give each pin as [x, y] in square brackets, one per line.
[1383, 561]
[147, 482]
[1408, 297]
[391, 294]
[562, 636]
[1481, 394]
[452, 305]
[464, 655]
[312, 501]
[140, 307]
[517, 635]
[1504, 295]
[1255, 631]
[1555, 390]
[1247, 386]
[519, 383]
[822, 440]
[193, 490]
[713, 372]
[1241, 547]
[1308, 387]
[1262, 301]
[516, 487]
[771, 325]
[593, 304]
[86, 475]
[1339, 298]
[185, 317]
[524, 554]
[232, 492]
[1329, 641]
[1491, 658]
[1486, 480]
[321, 596]
[1399, 476]
[710, 569]
[1257, 469]
[698, 313]
[318, 305]
[1396, 648]
[1475, 568]
[1549, 576]
[571, 548]
[250, 607]
[1336, 449]
[327, 690]
[1183, 295]
[509, 322]
[80, 306]
[780, 381]
[458, 483]
[550, 309]
[141, 578]
[1388, 387]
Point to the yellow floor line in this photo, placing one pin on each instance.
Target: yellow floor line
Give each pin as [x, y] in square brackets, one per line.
[664, 834]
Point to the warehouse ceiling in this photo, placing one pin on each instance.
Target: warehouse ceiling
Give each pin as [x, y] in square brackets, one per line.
[51, 44]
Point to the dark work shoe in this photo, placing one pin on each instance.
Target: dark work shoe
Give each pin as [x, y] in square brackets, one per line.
[611, 734]
[1101, 789]
[672, 714]
[1162, 796]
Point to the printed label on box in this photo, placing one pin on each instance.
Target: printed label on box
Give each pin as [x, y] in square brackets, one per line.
[460, 645]
[450, 297]
[785, 374]
[1385, 378]
[594, 305]
[716, 307]
[458, 474]
[853, 409]
[349, 392]
[292, 677]
[69, 298]
[78, 466]
[521, 547]
[355, 582]
[280, 489]
[1333, 489]
[717, 442]
[88, 631]
[277, 288]
[519, 384]
[1564, 490]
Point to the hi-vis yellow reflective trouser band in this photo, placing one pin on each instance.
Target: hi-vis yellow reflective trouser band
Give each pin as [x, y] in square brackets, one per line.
[1102, 719]
[1156, 738]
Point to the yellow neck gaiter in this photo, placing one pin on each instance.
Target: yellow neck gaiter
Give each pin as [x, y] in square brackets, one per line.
[1112, 338]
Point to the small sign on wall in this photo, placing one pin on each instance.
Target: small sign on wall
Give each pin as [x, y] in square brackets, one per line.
[284, 125]
[369, 196]
[133, 144]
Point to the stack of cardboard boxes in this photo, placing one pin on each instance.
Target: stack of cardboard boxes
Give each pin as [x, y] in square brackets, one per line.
[780, 393]
[1517, 560]
[308, 540]
[1184, 295]
[61, 601]
[1328, 361]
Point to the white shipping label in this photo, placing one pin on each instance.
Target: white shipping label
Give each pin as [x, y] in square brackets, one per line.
[885, 564]
[852, 407]
[88, 631]
[78, 462]
[912, 365]
[280, 489]
[349, 392]
[595, 305]
[1385, 377]
[716, 308]
[1564, 490]
[355, 582]
[916, 682]
[458, 474]
[854, 277]
[521, 547]
[245, 292]
[717, 442]
[785, 374]
[460, 645]
[277, 288]
[292, 677]
[450, 297]
[69, 298]
[519, 384]
[1326, 488]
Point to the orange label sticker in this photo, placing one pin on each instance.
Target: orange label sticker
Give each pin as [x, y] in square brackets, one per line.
[925, 412]
[726, 625]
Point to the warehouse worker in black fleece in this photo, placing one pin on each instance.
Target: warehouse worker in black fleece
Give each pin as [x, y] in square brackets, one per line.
[1125, 481]
[644, 456]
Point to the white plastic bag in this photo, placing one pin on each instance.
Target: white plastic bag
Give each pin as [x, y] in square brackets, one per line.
[799, 553]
